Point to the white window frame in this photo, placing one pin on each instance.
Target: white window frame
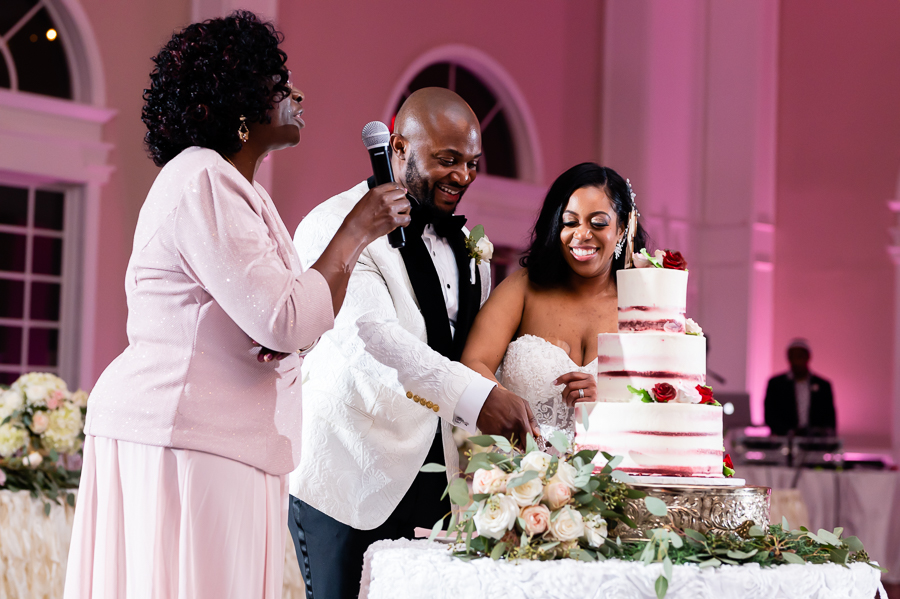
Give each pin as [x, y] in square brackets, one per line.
[54, 142]
[506, 207]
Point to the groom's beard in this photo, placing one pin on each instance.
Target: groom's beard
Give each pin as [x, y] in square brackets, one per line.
[423, 191]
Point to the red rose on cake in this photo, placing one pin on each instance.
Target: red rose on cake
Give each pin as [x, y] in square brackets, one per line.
[664, 392]
[727, 466]
[706, 395]
[674, 260]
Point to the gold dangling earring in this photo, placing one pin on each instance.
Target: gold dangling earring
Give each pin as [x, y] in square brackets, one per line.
[243, 131]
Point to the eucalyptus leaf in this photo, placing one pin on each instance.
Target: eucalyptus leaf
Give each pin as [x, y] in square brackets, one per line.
[559, 441]
[710, 563]
[784, 524]
[459, 492]
[656, 506]
[838, 531]
[478, 461]
[433, 468]
[667, 568]
[521, 479]
[735, 554]
[530, 444]
[854, 544]
[452, 524]
[47, 507]
[695, 535]
[792, 558]
[756, 532]
[436, 529]
[585, 417]
[503, 443]
[70, 499]
[482, 440]
[497, 551]
[828, 538]
[581, 555]
[661, 586]
[677, 543]
[839, 556]
[548, 546]
[622, 477]
[480, 496]
[632, 493]
[476, 233]
[614, 463]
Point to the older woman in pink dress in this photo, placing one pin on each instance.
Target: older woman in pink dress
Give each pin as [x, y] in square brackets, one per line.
[191, 431]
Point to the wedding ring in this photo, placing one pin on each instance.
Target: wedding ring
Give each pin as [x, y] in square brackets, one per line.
[581, 393]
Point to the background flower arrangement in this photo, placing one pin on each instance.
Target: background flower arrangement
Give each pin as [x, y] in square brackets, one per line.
[41, 435]
[534, 505]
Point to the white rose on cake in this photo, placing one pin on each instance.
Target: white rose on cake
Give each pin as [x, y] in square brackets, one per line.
[489, 481]
[527, 493]
[568, 525]
[537, 461]
[687, 393]
[692, 328]
[495, 516]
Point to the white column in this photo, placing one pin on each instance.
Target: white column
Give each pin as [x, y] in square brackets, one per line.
[894, 253]
[689, 115]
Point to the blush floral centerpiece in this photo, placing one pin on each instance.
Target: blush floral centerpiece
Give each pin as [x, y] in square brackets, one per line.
[41, 436]
[534, 505]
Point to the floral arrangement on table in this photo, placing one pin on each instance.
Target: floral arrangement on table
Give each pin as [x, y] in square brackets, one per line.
[538, 506]
[41, 436]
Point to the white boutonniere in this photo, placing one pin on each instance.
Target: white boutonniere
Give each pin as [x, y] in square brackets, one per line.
[479, 246]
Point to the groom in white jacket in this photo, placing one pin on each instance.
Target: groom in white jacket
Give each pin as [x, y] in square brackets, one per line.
[383, 387]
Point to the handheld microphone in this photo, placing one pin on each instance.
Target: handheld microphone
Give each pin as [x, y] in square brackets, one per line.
[375, 137]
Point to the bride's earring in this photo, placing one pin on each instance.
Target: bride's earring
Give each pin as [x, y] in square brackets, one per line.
[620, 245]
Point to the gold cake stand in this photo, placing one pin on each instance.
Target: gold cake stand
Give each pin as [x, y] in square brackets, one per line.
[717, 509]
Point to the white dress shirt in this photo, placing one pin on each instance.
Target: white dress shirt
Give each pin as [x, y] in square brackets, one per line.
[473, 398]
[801, 392]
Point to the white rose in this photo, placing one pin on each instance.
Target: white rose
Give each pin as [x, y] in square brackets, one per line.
[10, 401]
[659, 255]
[567, 526]
[687, 393]
[489, 481]
[565, 473]
[486, 248]
[12, 439]
[595, 530]
[495, 516]
[557, 495]
[692, 328]
[528, 493]
[39, 422]
[33, 459]
[537, 461]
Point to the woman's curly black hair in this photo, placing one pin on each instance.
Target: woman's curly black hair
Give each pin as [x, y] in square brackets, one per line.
[544, 259]
[206, 78]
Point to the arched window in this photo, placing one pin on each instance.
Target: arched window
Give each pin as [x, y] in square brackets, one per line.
[53, 162]
[499, 151]
[33, 55]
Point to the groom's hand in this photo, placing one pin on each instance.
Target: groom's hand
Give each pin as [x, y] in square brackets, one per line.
[505, 413]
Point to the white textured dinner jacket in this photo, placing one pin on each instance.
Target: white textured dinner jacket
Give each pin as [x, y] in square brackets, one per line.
[372, 388]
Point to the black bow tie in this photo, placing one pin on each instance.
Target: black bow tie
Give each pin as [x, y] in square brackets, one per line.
[444, 226]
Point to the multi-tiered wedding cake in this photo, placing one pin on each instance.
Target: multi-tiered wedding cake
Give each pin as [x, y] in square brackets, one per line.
[654, 408]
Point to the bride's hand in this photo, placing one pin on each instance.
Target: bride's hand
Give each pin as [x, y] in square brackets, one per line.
[577, 381]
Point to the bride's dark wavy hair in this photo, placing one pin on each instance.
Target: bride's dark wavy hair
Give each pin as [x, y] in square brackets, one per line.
[208, 76]
[544, 259]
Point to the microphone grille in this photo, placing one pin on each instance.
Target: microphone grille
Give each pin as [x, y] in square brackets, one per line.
[375, 134]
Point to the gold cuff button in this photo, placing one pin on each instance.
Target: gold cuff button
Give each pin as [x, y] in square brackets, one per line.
[435, 408]
[429, 405]
[409, 394]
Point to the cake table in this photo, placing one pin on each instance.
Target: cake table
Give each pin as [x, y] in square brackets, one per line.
[414, 569]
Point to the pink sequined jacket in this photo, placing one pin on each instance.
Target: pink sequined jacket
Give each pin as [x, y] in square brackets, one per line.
[212, 269]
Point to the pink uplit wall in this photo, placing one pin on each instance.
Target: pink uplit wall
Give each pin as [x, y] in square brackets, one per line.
[348, 56]
[128, 34]
[838, 161]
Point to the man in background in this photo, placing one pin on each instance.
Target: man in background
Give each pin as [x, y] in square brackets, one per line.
[799, 401]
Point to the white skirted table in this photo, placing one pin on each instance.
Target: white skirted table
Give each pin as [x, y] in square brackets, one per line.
[34, 549]
[413, 569]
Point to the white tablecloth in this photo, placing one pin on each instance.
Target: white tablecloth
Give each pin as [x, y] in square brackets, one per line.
[413, 569]
[865, 503]
[34, 549]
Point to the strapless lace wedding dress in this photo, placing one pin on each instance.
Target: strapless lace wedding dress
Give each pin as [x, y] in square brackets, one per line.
[530, 366]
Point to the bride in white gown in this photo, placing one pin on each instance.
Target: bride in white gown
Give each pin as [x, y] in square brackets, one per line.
[538, 329]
